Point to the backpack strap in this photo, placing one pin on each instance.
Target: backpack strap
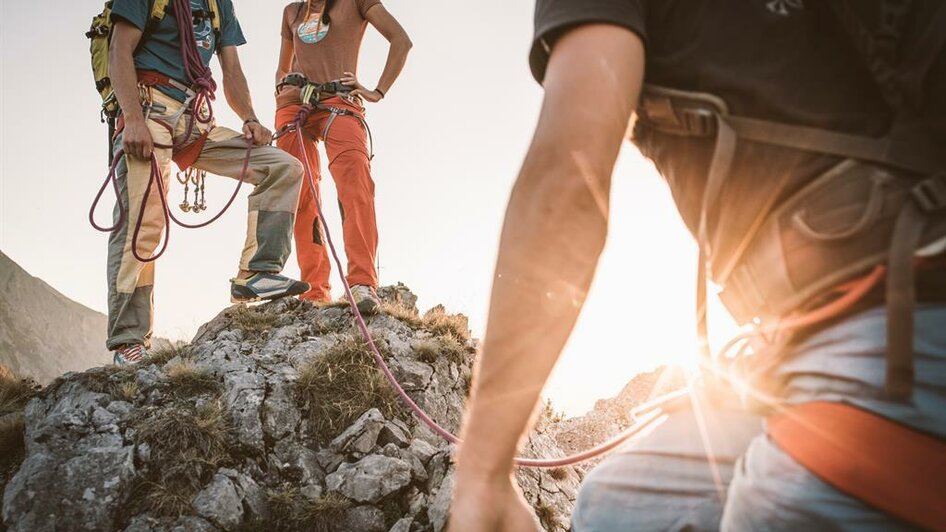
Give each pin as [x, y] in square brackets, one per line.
[216, 17]
[159, 9]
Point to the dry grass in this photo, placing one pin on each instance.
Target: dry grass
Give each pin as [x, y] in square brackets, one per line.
[547, 517]
[341, 385]
[446, 346]
[439, 322]
[106, 379]
[551, 415]
[186, 380]
[254, 320]
[402, 313]
[559, 473]
[427, 351]
[127, 391]
[187, 445]
[291, 511]
[167, 354]
[14, 392]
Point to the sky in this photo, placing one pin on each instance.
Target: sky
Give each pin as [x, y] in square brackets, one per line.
[450, 137]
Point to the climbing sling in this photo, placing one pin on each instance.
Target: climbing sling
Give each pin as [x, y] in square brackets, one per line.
[882, 208]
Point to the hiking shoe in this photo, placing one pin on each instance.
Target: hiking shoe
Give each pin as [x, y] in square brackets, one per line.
[366, 299]
[265, 287]
[129, 355]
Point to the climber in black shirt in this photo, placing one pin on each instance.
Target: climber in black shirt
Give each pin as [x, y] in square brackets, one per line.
[805, 146]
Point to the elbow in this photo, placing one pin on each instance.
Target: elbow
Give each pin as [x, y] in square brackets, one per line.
[403, 43]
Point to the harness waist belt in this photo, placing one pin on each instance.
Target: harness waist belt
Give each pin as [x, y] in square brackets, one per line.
[887, 465]
[151, 77]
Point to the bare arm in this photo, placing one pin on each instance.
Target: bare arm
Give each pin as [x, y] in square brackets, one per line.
[401, 44]
[555, 229]
[137, 140]
[237, 92]
[286, 54]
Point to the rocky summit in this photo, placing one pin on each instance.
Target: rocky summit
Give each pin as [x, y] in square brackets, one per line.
[274, 417]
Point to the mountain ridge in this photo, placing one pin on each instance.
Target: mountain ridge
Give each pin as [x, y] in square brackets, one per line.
[43, 333]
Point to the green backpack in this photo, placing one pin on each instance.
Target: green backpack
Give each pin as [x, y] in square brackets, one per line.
[100, 35]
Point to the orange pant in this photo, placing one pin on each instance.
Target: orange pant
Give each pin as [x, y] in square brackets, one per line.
[347, 149]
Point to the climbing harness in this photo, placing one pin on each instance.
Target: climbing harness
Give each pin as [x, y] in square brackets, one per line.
[644, 416]
[312, 95]
[881, 210]
[894, 473]
[198, 109]
[100, 34]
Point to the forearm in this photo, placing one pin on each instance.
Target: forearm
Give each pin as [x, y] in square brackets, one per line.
[551, 242]
[554, 231]
[124, 80]
[397, 58]
[237, 92]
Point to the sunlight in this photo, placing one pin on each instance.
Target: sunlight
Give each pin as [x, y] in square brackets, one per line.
[640, 312]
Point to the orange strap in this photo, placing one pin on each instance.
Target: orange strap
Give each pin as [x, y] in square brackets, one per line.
[900, 471]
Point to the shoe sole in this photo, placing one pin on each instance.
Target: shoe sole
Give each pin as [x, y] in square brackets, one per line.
[288, 293]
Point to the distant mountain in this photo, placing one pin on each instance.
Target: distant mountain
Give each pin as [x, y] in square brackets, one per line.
[44, 334]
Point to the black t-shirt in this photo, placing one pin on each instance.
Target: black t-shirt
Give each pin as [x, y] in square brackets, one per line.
[783, 60]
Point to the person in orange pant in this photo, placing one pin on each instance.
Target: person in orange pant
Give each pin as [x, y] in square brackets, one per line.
[318, 61]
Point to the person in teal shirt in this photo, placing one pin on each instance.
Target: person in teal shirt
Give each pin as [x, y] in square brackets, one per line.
[165, 114]
[160, 51]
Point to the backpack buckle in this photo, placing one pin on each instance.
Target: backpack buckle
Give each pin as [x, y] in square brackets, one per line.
[930, 194]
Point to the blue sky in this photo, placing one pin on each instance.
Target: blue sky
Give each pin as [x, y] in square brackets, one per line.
[450, 137]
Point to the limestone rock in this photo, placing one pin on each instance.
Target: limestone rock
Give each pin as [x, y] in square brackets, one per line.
[362, 436]
[234, 443]
[219, 503]
[370, 479]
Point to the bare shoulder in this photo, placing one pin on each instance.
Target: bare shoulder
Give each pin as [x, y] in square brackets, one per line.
[293, 7]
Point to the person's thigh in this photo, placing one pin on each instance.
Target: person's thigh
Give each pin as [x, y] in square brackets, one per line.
[843, 363]
[675, 478]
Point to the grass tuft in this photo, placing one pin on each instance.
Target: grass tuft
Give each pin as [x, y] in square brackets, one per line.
[340, 385]
[439, 322]
[164, 355]
[127, 391]
[186, 380]
[402, 313]
[547, 516]
[446, 346]
[187, 445]
[254, 319]
[427, 351]
[291, 511]
[559, 473]
[14, 392]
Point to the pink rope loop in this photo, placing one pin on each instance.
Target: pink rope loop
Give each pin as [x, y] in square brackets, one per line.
[594, 452]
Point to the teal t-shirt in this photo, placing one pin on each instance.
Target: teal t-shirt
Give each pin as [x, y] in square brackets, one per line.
[160, 49]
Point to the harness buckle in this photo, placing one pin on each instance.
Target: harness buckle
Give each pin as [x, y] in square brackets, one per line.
[930, 194]
[681, 113]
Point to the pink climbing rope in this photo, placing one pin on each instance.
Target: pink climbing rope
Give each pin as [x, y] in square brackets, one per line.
[650, 413]
[204, 86]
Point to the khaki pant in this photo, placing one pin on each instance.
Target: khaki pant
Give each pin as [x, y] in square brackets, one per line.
[272, 205]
